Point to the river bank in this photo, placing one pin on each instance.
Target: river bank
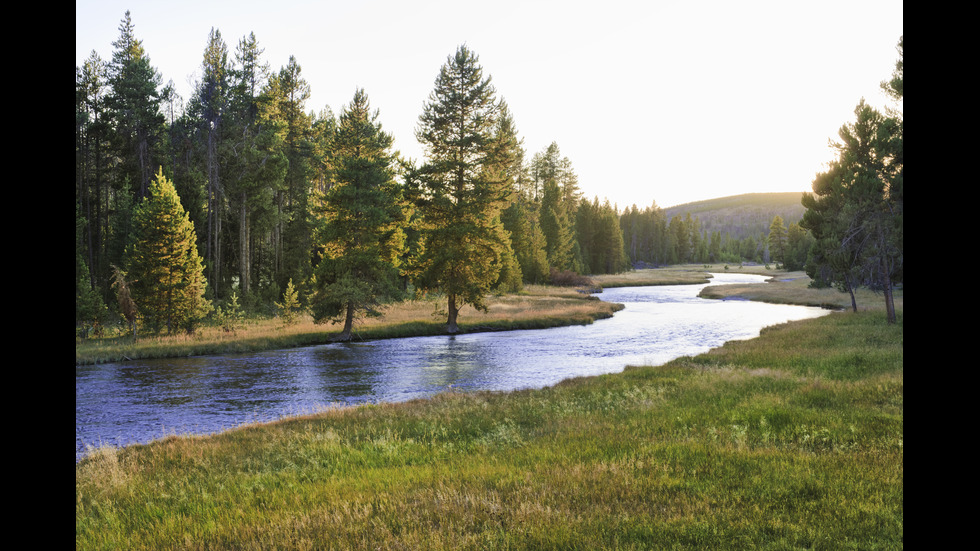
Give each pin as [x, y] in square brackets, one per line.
[793, 439]
[536, 307]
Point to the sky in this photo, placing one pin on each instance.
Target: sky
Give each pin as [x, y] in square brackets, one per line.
[653, 102]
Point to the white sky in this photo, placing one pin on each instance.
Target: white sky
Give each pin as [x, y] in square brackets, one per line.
[666, 101]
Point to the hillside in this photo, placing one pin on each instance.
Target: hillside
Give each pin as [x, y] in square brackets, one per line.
[742, 215]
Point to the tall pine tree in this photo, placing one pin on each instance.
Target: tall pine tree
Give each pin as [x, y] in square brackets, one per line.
[361, 216]
[134, 106]
[458, 192]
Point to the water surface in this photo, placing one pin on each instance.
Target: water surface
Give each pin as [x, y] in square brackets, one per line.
[129, 402]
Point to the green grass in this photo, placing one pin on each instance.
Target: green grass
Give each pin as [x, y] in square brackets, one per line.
[792, 440]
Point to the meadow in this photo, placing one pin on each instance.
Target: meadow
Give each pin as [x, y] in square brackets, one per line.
[792, 440]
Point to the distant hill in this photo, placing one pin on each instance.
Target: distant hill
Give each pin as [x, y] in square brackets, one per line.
[742, 215]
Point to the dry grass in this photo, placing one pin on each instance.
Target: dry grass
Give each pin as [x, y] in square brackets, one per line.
[793, 288]
[538, 306]
[682, 274]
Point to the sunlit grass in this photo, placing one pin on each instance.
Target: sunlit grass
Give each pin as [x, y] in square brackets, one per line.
[794, 288]
[790, 440]
[538, 306]
[681, 274]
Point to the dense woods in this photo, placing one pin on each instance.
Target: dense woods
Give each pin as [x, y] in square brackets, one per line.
[275, 195]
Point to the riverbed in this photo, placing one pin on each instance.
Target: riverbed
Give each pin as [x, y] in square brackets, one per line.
[135, 402]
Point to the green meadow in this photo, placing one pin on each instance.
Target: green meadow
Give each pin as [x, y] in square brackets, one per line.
[792, 440]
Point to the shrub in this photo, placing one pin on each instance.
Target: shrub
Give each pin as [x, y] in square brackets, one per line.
[568, 278]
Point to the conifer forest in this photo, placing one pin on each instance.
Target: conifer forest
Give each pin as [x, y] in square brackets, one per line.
[243, 194]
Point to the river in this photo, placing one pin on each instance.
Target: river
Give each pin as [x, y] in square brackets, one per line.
[136, 402]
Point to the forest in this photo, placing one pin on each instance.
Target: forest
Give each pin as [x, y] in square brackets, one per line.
[239, 196]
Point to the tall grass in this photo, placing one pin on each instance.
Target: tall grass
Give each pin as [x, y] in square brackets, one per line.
[681, 274]
[792, 440]
[538, 306]
[794, 288]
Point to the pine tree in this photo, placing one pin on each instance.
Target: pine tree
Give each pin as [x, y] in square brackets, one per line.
[557, 228]
[211, 106]
[257, 170]
[609, 241]
[508, 169]
[361, 215]
[560, 196]
[527, 239]
[856, 210]
[285, 99]
[778, 239]
[798, 243]
[93, 156]
[167, 275]
[458, 194]
[90, 309]
[290, 305]
[134, 106]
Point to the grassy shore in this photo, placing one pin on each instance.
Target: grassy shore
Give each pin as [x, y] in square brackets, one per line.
[536, 307]
[684, 274]
[793, 288]
[792, 440]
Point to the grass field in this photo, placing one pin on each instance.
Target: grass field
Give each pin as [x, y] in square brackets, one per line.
[792, 440]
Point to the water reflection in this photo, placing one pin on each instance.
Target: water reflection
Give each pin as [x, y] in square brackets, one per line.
[130, 402]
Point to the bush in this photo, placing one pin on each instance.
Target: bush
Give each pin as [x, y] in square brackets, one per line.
[568, 278]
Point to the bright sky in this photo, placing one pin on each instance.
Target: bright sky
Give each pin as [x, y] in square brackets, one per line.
[666, 101]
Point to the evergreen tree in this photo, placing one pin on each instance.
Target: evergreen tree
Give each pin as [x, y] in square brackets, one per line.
[586, 220]
[167, 274]
[90, 309]
[507, 168]
[831, 261]
[257, 170]
[289, 308]
[134, 105]
[559, 194]
[611, 258]
[798, 243]
[856, 210]
[680, 241]
[362, 215]
[211, 104]
[778, 239]
[558, 230]
[93, 157]
[458, 191]
[286, 95]
[527, 239]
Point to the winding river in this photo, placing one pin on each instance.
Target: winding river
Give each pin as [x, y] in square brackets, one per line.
[135, 402]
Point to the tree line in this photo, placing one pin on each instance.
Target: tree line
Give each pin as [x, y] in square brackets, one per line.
[270, 202]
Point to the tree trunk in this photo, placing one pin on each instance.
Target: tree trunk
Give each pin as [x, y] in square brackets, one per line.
[889, 298]
[345, 335]
[244, 254]
[451, 326]
[850, 290]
